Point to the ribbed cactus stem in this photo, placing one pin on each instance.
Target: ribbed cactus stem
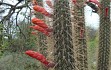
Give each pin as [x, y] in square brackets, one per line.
[64, 55]
[80, 36]
[104, 36]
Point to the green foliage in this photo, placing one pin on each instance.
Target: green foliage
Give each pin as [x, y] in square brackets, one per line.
[21, 39]
[15, 39]
[14, 61]
[92, 52]
[1, 39]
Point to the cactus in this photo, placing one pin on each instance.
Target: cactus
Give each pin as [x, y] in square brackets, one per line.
[1, 36]
[80, 36]
[63, 47]
[104, 36]
[41, 36]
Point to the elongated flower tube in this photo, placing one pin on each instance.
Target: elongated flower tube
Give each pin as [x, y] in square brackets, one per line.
[42, 10]
[39, 22]
[96, 2]
[37, 56]
[36, 27]
[49, 3]
[34, 2]
[40, 58]
[106, 11]
[34, 33]
[81, 32]
[42, 24]
[74, 1]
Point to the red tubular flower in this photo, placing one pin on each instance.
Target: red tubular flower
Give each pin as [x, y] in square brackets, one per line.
[34, 2]
[37, 56]
[39, 23]
[40, 57]
[81, 32]
[48, 2]
[42, 10]
[49, 29]
[74, 1]
[36, 27]
[96, 2]
[106, 11]
[34, 33]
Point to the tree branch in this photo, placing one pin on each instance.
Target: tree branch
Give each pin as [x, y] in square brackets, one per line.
[12, 10]
[2, 3]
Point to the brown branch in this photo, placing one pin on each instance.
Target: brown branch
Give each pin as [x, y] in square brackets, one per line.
[22, 6]
[2, 3]
[18, 25]
[12, 10]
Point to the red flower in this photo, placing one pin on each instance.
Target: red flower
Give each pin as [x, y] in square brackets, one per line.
[34, 2]
[34, 33]
[39, 23]
[42, 10]
[49, 29]
[81, 32]
[106, 11]
[96, 2]
[36, 27]
[37, 56]
[48, 2]
[74, 1]
[40, 57]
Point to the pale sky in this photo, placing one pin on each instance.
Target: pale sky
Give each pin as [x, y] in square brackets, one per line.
[91, 19]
